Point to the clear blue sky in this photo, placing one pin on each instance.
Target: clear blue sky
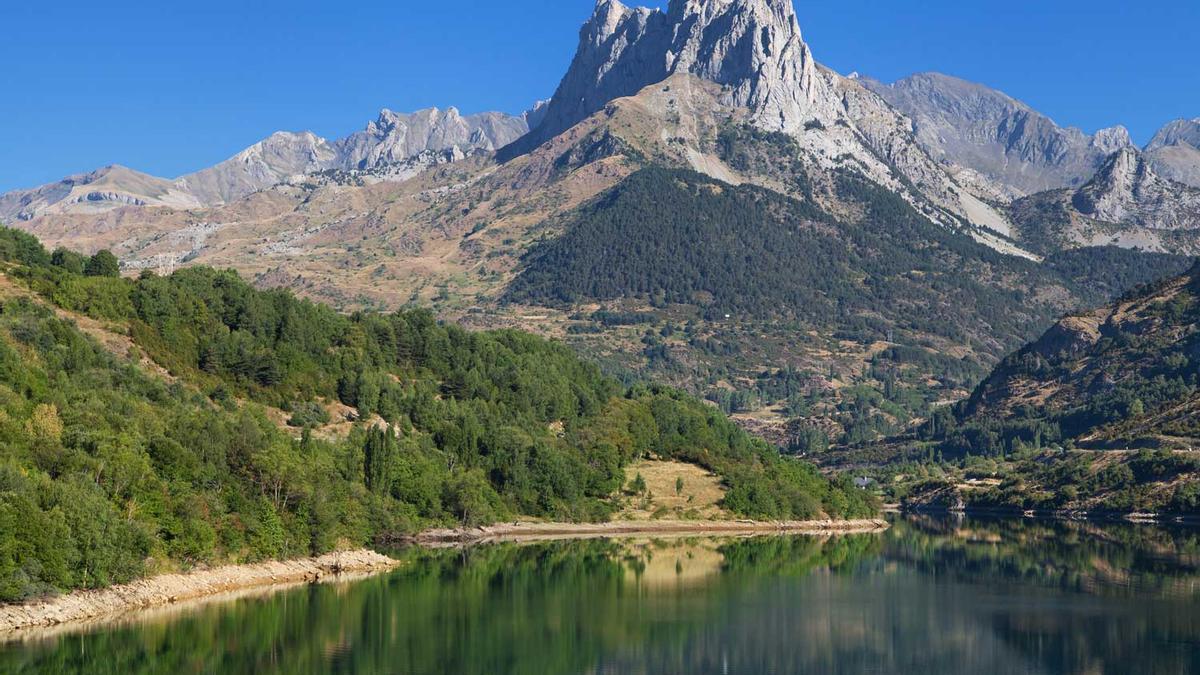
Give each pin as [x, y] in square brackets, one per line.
[169, 87]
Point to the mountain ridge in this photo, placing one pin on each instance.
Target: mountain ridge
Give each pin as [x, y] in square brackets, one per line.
[392, 138]
[985, 130]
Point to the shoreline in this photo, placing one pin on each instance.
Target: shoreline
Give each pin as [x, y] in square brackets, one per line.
[80, 608]
[1042, 514]
[163, 594]
[532, 531]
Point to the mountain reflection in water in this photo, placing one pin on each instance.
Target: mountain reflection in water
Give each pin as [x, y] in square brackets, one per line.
[930, 596]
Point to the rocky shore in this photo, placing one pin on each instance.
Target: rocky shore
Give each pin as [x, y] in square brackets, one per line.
[169, 589]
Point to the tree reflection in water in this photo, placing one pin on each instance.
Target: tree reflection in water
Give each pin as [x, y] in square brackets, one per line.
[930, 596]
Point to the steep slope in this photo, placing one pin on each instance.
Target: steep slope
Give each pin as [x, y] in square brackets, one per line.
[753, 47]
[679, 238]
[1174, 152]
[1126, 203]
[108, 188]
[754, 50]
[995, 141]
[1123, 375]
[266, 163]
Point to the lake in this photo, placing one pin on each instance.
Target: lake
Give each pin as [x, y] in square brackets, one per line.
[930, 596]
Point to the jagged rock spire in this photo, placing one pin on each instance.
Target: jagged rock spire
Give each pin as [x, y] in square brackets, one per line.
[752, 46]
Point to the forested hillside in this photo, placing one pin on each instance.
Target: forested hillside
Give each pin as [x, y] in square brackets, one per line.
[768, 305]
[1121, 376]
[669, 236]
[1100, 414]
[109, 471]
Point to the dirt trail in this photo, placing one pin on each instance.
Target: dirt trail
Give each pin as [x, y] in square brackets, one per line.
[169, 589]
[119, 345]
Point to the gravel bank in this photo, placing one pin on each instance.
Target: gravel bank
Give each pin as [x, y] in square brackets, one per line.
[168, 589]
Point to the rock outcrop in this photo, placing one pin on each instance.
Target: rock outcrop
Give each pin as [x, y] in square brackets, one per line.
[395, 137]
[263, 164]
[1127, 190]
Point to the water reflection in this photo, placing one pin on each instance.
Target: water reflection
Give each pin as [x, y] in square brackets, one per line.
[930, 596]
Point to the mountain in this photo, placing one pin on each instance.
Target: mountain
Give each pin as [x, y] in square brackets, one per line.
[108, 188]
[391, 140]
[1065, 189]
[854, 263]
[678, 238]
[266, 163]
[1127, 203]
[754, 50]
[1100, 416]
[1175, 151]
[1122, 375]
[995, 141]
[753, 47]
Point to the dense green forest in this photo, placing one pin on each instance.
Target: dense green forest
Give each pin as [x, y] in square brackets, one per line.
[108, 472]
[673, 236]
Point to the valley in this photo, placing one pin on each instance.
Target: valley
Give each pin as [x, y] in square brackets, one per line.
[709, 287]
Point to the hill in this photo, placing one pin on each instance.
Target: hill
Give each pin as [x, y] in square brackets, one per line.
[155, 447]
[1101, 415]
[1122, 375]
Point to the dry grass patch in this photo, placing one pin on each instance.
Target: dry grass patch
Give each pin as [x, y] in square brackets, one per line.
[673, 490]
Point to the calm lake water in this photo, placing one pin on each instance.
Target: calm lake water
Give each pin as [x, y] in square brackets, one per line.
[930, 596]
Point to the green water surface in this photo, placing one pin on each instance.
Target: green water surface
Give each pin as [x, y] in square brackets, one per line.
[930, 596]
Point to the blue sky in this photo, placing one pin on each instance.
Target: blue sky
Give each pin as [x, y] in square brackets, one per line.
[171, 89]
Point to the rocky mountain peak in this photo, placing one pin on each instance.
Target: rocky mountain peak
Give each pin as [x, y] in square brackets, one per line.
[1114, 188]
[753, 47]
[1175, 151]
[1127, 188]
[1112, 139]
[1178, 132]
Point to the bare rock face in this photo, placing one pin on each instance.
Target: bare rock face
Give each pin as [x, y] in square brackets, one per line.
[753, 47]
[755, 51]
[975, 128]
[395, 137]
[1175, 151]
[393, 140]
[1127, 190]
[263, 164]
[98, 191]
